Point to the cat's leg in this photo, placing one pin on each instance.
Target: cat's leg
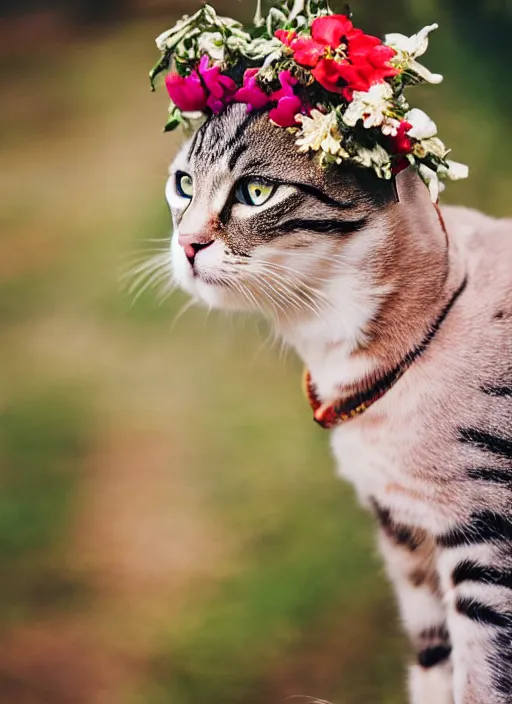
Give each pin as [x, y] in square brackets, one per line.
[410, 563]
[475, 566]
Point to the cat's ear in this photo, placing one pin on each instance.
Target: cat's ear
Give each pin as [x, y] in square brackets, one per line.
[410, 187]
[395, 189]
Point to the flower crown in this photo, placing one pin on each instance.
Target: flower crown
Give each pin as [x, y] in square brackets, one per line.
[339, 90]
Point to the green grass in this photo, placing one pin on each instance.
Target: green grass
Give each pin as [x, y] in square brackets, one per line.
[296, 571]
[43, 439]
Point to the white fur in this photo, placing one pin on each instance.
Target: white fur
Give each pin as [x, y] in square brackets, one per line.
[431, 686]
[326, 342]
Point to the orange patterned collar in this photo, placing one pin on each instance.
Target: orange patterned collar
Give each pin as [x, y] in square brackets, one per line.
[351, 405]
[330, 414]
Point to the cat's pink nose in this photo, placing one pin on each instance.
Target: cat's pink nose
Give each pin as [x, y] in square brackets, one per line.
[192, 244]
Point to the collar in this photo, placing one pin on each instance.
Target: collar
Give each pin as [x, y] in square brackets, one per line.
[353, 403]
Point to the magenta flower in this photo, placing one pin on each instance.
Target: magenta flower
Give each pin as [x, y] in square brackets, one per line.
[251, 93]
[203, 87]
[221, 88]
[288, 104]
[187, 93]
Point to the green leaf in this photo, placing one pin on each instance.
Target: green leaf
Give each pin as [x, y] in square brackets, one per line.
[162, 64]
[174, 121]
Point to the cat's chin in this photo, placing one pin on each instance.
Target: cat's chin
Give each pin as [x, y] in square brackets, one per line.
[206, 289]
[216, 294]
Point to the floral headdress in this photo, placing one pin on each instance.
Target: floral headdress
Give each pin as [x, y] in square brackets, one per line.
[339, 90]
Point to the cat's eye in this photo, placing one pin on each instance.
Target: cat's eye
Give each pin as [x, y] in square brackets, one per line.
[255, 192]
[184, 185]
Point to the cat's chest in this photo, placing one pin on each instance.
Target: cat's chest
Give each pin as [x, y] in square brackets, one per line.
[366, 452]
[388, 458]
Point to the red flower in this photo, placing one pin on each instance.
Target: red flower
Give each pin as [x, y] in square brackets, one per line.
[307, 52]
[286, 36]
[331, 30]
[402, 143]
[399, 165]
[343, 59]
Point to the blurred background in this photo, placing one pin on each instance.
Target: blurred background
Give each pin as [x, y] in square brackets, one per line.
[171, 530]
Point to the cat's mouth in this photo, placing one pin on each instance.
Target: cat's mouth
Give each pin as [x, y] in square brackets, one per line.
[205, 263]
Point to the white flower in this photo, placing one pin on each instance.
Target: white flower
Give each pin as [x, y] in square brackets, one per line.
[320, 131]
[435, 146]
[414, 46]
[390, 126]
[424, 130]
[298, 7]
[373, 108]
[258, 20]
[189, 27]
[376, 158]
[211, 43]
[422, 126]
[409, 48]
[184, 28]
[255, 49]
[455, 171]
[192, 116]
[430, 177]
[161, 40]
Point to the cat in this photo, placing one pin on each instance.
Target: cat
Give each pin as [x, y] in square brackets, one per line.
[402, 313]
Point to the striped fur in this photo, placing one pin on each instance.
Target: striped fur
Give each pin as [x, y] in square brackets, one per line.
[355, 282]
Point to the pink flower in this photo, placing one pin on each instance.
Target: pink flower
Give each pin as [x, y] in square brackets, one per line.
[203, 87]
[221, 87]
[251, 93]
[288, 104]
[187, 93]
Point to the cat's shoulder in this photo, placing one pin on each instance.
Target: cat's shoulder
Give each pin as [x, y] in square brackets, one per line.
[485, 245]
[473, 228]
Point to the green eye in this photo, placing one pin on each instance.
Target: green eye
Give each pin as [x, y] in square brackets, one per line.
[255, 192]
[184, 185]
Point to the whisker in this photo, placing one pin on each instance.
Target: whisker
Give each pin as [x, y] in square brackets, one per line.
[264, 284]
[147, 273]
[315, 291]
[184, 308]
[302, 274]
[274, 305]
[282, 294]
[153, 262]
[153, 280]
[305, 299]
[140, 273]
[167, 288]
[259, 280]
[313, 294]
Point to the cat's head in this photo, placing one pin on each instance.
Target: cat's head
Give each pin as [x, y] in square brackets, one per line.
[258, 225]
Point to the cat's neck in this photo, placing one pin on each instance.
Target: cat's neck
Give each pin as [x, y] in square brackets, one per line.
[380, 310]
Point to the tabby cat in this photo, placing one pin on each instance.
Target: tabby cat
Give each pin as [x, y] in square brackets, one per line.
[407, 310]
